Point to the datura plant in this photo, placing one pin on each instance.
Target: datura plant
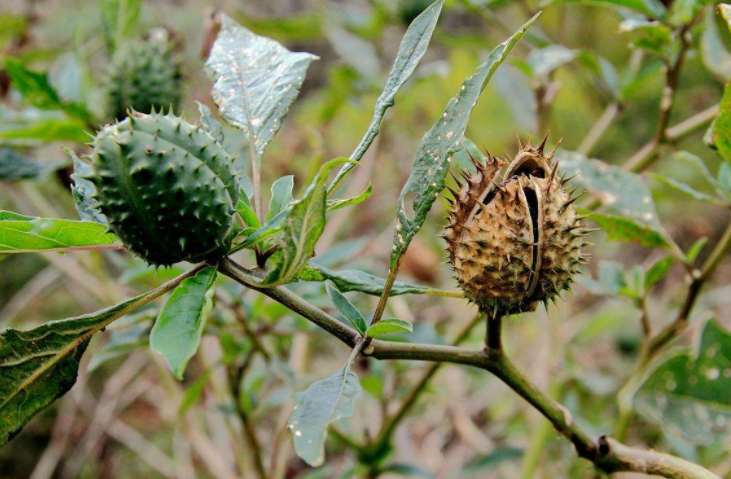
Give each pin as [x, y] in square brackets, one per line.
[171, 190]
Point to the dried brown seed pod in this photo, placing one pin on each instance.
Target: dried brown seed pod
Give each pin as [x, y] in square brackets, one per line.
[514, 241]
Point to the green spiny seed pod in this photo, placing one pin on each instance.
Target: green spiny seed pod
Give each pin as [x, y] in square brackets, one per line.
[514, 241]
[142, 76]
[168, 189]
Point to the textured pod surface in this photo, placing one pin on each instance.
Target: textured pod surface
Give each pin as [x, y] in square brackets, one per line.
[514, 241]
[143, 77]
[167, 188]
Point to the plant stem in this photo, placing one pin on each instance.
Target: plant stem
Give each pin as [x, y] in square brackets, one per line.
[390, 280]
[493, 333]
[607, 454]
[236, 376]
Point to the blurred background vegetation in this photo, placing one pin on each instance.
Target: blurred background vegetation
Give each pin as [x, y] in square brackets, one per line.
[127, 417]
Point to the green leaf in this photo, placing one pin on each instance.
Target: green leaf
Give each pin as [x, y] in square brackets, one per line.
[323, 403]
[724, 177]
[651, 8]
[493, 459]
[432, 160]
[619, 228]
[281, 195]
[689, 394]
[354, 51]
[83, 192]
[333, 205]
[120, 19]
[409, 470]
[688, 190]
[412, 49]
[209, 122]
[179, 327]
[610, 279]
[256, 80]
[658, 271]
[354, 280]
[346, 308]
[302, 225]
[721, 128]
[624, 193]
[389, 326]
[45, 129]
[14, 166]
[194, 393]
[246, 211]
[39, 365]
[652, 36]
[37, 91]
[23, 234]
[682, 12]
[714, 54]
[695, 249]
[544, 61]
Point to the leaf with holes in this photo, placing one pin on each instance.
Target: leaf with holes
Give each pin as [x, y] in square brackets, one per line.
[179, 327]
[256, 80]
[412, 49]
[39, 365]
[431, 164]
[323, 403]
[689, 394]
[23, 234]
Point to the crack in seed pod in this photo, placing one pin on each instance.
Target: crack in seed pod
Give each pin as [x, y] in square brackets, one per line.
[514, 241]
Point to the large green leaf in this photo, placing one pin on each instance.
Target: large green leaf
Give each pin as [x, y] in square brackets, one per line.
[23, 234]
[179, 327]
[256, 80]
[651, 8]
[39, 365]
[14, 166]
[412, 49]
[324, 402]
[431, 164]
[690, 393]
[302, 226]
